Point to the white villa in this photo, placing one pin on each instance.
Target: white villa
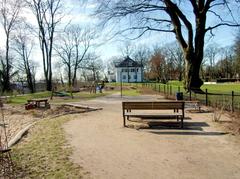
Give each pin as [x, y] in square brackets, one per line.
[129, 71]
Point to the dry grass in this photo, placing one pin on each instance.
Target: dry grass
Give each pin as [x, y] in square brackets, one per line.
[234, 125]
[44, 153]
[147, 91]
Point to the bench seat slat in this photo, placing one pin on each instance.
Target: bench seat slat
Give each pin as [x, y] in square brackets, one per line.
[162, 116]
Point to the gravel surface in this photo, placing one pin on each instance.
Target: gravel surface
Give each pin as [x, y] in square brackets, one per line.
[107, 150]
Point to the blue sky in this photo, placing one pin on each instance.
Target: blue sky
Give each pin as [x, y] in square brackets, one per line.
[79, 12]
[223, 36]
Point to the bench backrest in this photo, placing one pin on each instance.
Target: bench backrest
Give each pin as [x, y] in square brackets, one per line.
[141, 105]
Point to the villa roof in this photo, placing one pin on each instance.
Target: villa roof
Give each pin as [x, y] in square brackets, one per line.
[128, 62]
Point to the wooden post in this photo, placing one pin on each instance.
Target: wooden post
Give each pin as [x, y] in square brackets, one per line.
[232, 101]
[170, 89]
[206, 97]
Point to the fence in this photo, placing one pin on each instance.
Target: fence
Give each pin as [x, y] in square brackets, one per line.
[228, 101]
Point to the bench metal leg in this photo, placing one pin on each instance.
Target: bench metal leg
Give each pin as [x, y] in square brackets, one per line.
[181, 123]
[124, 121]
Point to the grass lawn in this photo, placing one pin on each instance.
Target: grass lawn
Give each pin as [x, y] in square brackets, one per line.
[222, 88]
[77, 96]
[217, 88]
[131, 92]
[23, 98]
[45, 152]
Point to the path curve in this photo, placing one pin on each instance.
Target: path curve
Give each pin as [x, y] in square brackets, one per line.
[108, 151]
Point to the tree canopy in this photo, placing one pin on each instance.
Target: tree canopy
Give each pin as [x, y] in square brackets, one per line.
[188, 20]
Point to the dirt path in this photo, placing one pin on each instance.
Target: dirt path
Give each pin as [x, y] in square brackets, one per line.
[108, 151]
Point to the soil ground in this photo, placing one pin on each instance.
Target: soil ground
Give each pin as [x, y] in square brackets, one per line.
[16, 118]
[105, 149]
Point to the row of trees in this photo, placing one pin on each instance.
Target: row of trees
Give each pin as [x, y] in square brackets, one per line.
[166, 63]
[220, 63]
[71, 45]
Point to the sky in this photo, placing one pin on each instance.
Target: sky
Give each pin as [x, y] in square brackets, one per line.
[80, 13]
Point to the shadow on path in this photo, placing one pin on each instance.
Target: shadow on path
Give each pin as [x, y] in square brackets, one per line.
[172, 128]
[188, 133]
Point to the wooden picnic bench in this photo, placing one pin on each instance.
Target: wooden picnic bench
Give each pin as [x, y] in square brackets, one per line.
[174, 110]
[193, 104]
[37, 103]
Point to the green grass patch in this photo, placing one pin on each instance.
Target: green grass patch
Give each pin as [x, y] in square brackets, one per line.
[175, 83]
[222, 88]
[217, 88]
[131, 92]
[45, 152]
[76, 97]
[79, 97]
[21, 99]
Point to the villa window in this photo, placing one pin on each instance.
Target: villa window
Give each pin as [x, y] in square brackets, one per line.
[124, 77]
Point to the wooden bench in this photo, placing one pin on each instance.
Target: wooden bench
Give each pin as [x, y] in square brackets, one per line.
[175, 110]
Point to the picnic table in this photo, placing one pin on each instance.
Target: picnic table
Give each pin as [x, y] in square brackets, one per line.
[37, 103]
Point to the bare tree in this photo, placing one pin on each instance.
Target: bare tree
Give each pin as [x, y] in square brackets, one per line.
[142, 55]
[237, 55]
[225, 64]
[174, 17]
[210, 54]
[72, 48]
[48, 14]
[175, 56]
[157, 65]
[9, 12]
[23, 46]
[127, 49]
[95, 65]
[59, 72]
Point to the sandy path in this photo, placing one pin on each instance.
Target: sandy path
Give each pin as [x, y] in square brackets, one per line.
[108, 151]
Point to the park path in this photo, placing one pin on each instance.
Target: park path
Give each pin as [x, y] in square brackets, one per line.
[108, 151]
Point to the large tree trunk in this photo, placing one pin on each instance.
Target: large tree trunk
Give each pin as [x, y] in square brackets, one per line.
[74, 81]
[49, 85]
[192, 65]
[30, 82]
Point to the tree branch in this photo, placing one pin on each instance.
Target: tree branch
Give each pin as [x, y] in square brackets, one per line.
[221, 24]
